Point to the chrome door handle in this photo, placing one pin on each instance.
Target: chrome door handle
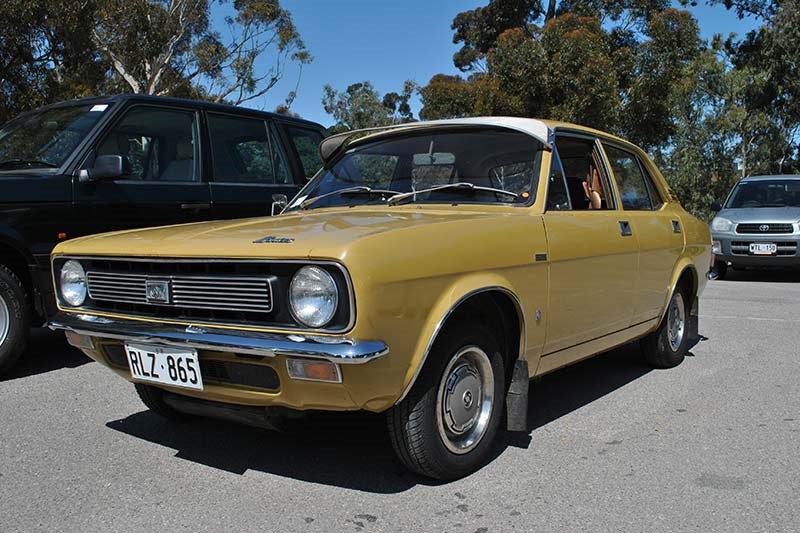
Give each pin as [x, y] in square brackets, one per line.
[625, 228]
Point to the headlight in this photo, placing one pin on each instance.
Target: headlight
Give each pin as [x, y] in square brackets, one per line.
[73, 283]
[721, 224]
[313, 296]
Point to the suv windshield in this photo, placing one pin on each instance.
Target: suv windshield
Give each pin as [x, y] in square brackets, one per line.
[44, 139]
[487, 166]
[765, 193]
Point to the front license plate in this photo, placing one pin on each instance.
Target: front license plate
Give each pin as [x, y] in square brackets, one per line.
[761, 248]
[170, 366]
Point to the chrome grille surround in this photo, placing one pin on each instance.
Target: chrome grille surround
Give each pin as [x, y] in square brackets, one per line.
[223, 293]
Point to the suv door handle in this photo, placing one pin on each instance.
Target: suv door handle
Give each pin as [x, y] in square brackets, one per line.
[625, 228]
[197, 206]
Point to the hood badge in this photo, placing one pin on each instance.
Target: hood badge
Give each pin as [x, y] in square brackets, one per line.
[273, 239]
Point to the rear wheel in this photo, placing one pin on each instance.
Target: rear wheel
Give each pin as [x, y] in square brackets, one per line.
[15, 319]
[153, 398]
[666, 347]
[446, 426]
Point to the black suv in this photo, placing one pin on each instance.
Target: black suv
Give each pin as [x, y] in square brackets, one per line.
[130, 161]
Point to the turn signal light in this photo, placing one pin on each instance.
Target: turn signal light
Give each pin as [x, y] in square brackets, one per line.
[311, 370]
[716, 247]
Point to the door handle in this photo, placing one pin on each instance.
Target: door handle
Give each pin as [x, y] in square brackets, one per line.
[625, 228]
[676, 226]
[197, 206]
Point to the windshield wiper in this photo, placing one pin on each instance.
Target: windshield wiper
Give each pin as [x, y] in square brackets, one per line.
[458, 186]
[27, 162]
[360, 189]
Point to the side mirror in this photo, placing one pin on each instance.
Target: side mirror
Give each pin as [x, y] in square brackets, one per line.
[716, 206]
[107, 167]
[279, 203]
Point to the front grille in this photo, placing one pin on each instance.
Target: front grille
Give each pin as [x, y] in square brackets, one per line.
[765, 228]
[231, 292]
[223, 293]
[785, 248]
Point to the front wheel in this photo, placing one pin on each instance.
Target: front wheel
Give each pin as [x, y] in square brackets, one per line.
[445, 427]
[15, 319]
[666, 347]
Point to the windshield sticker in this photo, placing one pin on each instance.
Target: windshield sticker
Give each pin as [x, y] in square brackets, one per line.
[98, 107]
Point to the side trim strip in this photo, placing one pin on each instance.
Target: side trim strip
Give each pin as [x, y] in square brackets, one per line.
[600, 337]
[520, 315]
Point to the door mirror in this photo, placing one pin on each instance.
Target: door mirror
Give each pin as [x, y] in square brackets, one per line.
[107, 167]
[716, 206]
[279, 203]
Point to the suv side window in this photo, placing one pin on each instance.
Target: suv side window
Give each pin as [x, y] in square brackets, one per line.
[243, 151]
[633, 189]
[161, 144]
[306, 143]
[557, 196]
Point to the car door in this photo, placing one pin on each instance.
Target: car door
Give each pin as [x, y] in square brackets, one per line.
[249, 166]
[166, 183]
[593, 257]
[657, 229]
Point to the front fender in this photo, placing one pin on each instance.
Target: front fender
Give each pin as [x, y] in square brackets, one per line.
[457, 292]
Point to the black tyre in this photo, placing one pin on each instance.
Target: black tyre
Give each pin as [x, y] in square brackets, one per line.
[446, 426]
[153, 398]
[720, 269]
[15, 319]
[667, 346]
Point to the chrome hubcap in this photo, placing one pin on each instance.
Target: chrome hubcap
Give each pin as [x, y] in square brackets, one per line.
[465, 398]
[5, 319]
[676, 321]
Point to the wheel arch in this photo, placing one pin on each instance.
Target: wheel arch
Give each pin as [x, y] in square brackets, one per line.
[684, 274]
[491, 300]
[17, 261]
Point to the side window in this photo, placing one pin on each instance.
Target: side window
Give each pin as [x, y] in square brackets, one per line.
[306, 144]
[630, 180]
[242, 151]
[587, 183]
[557, 196]
[161, 144]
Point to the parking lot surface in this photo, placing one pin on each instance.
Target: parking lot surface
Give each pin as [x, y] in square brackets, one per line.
[614, 446]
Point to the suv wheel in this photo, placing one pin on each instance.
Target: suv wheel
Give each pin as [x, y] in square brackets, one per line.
[15, 319]
[446, 426]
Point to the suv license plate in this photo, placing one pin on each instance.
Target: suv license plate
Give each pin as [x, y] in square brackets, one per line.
[759, 248]
[169, 366]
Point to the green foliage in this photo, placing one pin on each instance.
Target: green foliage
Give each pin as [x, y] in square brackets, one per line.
[710, 113]
[52, 50]
[360, 106]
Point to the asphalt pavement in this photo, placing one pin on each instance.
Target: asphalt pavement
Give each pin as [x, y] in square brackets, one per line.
[713, 445]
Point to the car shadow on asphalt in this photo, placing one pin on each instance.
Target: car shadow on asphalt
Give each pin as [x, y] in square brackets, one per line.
[47, 351]
[768, 276]
[352, 450]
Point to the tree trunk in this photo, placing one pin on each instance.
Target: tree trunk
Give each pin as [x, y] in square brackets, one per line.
[551, 10]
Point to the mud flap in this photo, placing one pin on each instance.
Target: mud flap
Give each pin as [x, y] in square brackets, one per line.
[517, 398]
[693, 324]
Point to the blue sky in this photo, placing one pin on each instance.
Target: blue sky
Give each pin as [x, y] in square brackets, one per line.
[388, 42]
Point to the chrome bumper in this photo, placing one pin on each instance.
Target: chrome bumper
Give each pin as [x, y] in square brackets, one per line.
[335, 349]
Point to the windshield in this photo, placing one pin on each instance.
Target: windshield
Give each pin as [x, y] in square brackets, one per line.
[490, 166]
[45, 139]
[765, 193]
